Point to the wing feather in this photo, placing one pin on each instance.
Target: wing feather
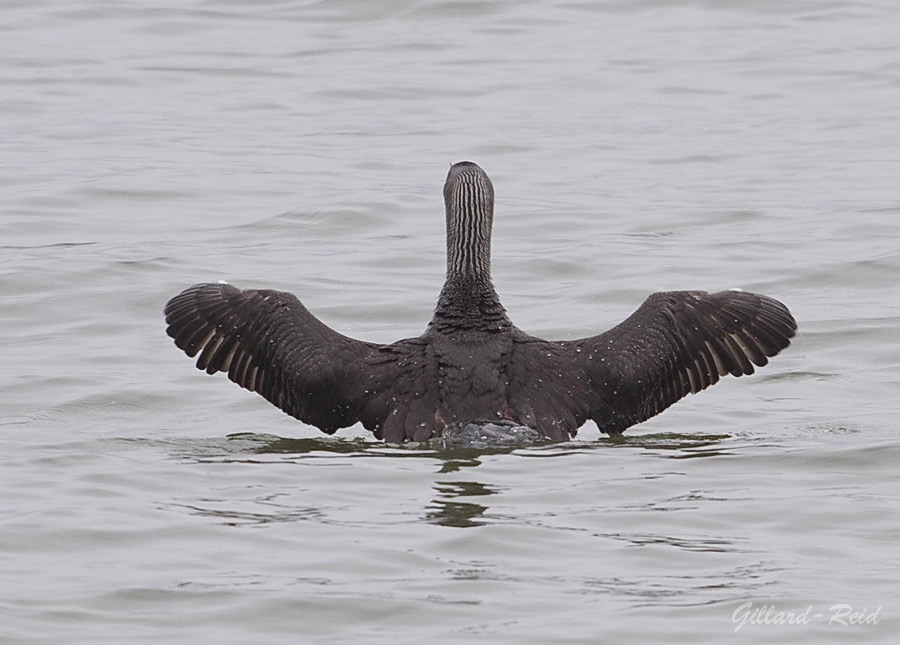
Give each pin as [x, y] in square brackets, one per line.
[675, 344]
[678, 343]
[268, 342]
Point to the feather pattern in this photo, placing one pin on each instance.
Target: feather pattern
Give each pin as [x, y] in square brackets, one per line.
[472, 365]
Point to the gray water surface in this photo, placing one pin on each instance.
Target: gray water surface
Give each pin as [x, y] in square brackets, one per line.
[634, 147]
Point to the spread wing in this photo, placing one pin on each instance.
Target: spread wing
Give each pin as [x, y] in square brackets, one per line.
[268, 342]
[676, 343]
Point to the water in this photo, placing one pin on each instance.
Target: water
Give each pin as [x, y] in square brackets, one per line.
[634, 147]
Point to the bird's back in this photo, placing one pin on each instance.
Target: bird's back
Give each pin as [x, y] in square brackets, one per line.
[471, 371]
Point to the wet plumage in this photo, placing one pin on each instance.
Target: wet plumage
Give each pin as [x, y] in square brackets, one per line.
[472, 365]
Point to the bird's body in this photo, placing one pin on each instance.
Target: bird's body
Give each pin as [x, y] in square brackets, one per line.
[472, 365]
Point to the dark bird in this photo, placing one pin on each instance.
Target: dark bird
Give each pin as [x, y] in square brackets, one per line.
[472, 365]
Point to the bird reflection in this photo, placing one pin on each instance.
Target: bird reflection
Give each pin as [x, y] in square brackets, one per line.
[453, 504]
[447, 512]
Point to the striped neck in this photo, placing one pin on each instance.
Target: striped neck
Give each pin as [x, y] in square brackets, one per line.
[468, 298]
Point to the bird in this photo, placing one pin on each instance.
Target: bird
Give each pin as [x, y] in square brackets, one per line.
[472, 365]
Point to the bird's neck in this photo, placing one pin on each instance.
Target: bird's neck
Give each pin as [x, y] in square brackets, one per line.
[468, 301]
[468, 298]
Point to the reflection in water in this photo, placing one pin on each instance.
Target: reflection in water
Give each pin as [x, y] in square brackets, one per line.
[451, 465]
[669, 445]
[458, 514]
[676, 445]
[454, 457]
[454, 513]
[280, 445]
[451, 506]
